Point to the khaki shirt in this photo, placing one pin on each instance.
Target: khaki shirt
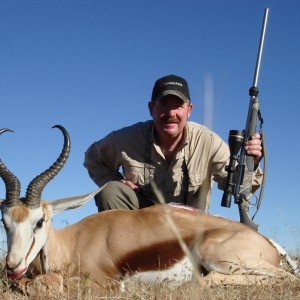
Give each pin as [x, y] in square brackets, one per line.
[188, 179]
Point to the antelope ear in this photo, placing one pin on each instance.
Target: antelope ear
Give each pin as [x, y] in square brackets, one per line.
[60, 205]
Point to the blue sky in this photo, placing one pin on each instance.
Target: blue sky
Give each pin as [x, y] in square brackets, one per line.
[91, 65]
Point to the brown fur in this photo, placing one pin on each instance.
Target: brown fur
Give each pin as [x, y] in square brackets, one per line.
[110, 244]
[20, 212]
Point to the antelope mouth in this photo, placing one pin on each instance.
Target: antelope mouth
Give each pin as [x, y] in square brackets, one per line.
[15, 275]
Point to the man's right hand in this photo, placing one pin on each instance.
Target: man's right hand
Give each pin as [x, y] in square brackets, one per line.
[130, 184]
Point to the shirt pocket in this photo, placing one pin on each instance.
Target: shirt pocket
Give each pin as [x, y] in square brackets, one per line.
[195, 181]
[134, 171]
[137, 172]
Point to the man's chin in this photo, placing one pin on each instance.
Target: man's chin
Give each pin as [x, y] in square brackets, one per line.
[169, 130]
[172, 131]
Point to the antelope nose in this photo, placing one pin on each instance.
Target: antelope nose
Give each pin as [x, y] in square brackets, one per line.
[11, 264]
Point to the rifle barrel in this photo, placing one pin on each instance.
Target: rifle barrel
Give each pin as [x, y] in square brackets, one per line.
[255, 80]
[261, 45]
[250, 124]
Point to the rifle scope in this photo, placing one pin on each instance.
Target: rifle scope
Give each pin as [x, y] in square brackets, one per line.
[235, 142]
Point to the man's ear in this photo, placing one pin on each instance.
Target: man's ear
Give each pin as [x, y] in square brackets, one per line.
[150, 106]
[190, 108]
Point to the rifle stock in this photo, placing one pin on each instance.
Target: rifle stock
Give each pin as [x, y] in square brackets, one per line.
[244, 216]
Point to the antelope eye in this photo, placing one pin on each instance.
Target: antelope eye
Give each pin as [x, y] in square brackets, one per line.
[39, 224]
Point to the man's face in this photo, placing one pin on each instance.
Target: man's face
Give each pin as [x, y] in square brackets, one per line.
[170, 115]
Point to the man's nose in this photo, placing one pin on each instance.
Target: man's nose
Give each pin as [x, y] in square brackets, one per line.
[171, 111]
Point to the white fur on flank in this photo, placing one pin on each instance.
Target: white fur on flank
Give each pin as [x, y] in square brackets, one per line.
[285, 257]
[180, 272]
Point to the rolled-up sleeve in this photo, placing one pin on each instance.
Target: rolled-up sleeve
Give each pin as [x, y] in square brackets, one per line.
[101, 161]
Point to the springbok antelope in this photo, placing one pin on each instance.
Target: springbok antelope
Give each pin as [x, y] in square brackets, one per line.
[109, 245]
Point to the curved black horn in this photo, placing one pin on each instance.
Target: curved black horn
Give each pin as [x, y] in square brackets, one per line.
[36, 186]
[12, 183]
[5, 129]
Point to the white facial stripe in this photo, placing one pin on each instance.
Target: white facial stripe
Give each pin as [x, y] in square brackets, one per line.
[24, 240]
[30, 249]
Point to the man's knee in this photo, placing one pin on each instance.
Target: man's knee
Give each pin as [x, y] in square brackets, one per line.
[112, 188]
[107, 195]
[116, 195]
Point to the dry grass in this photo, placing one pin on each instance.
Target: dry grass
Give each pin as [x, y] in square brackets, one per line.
[134, 290]
[82, 289]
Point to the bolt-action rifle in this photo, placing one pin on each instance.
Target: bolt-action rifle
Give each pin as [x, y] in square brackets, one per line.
[241, 166]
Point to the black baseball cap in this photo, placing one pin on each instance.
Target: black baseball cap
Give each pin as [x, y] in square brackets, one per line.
[170, 85]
